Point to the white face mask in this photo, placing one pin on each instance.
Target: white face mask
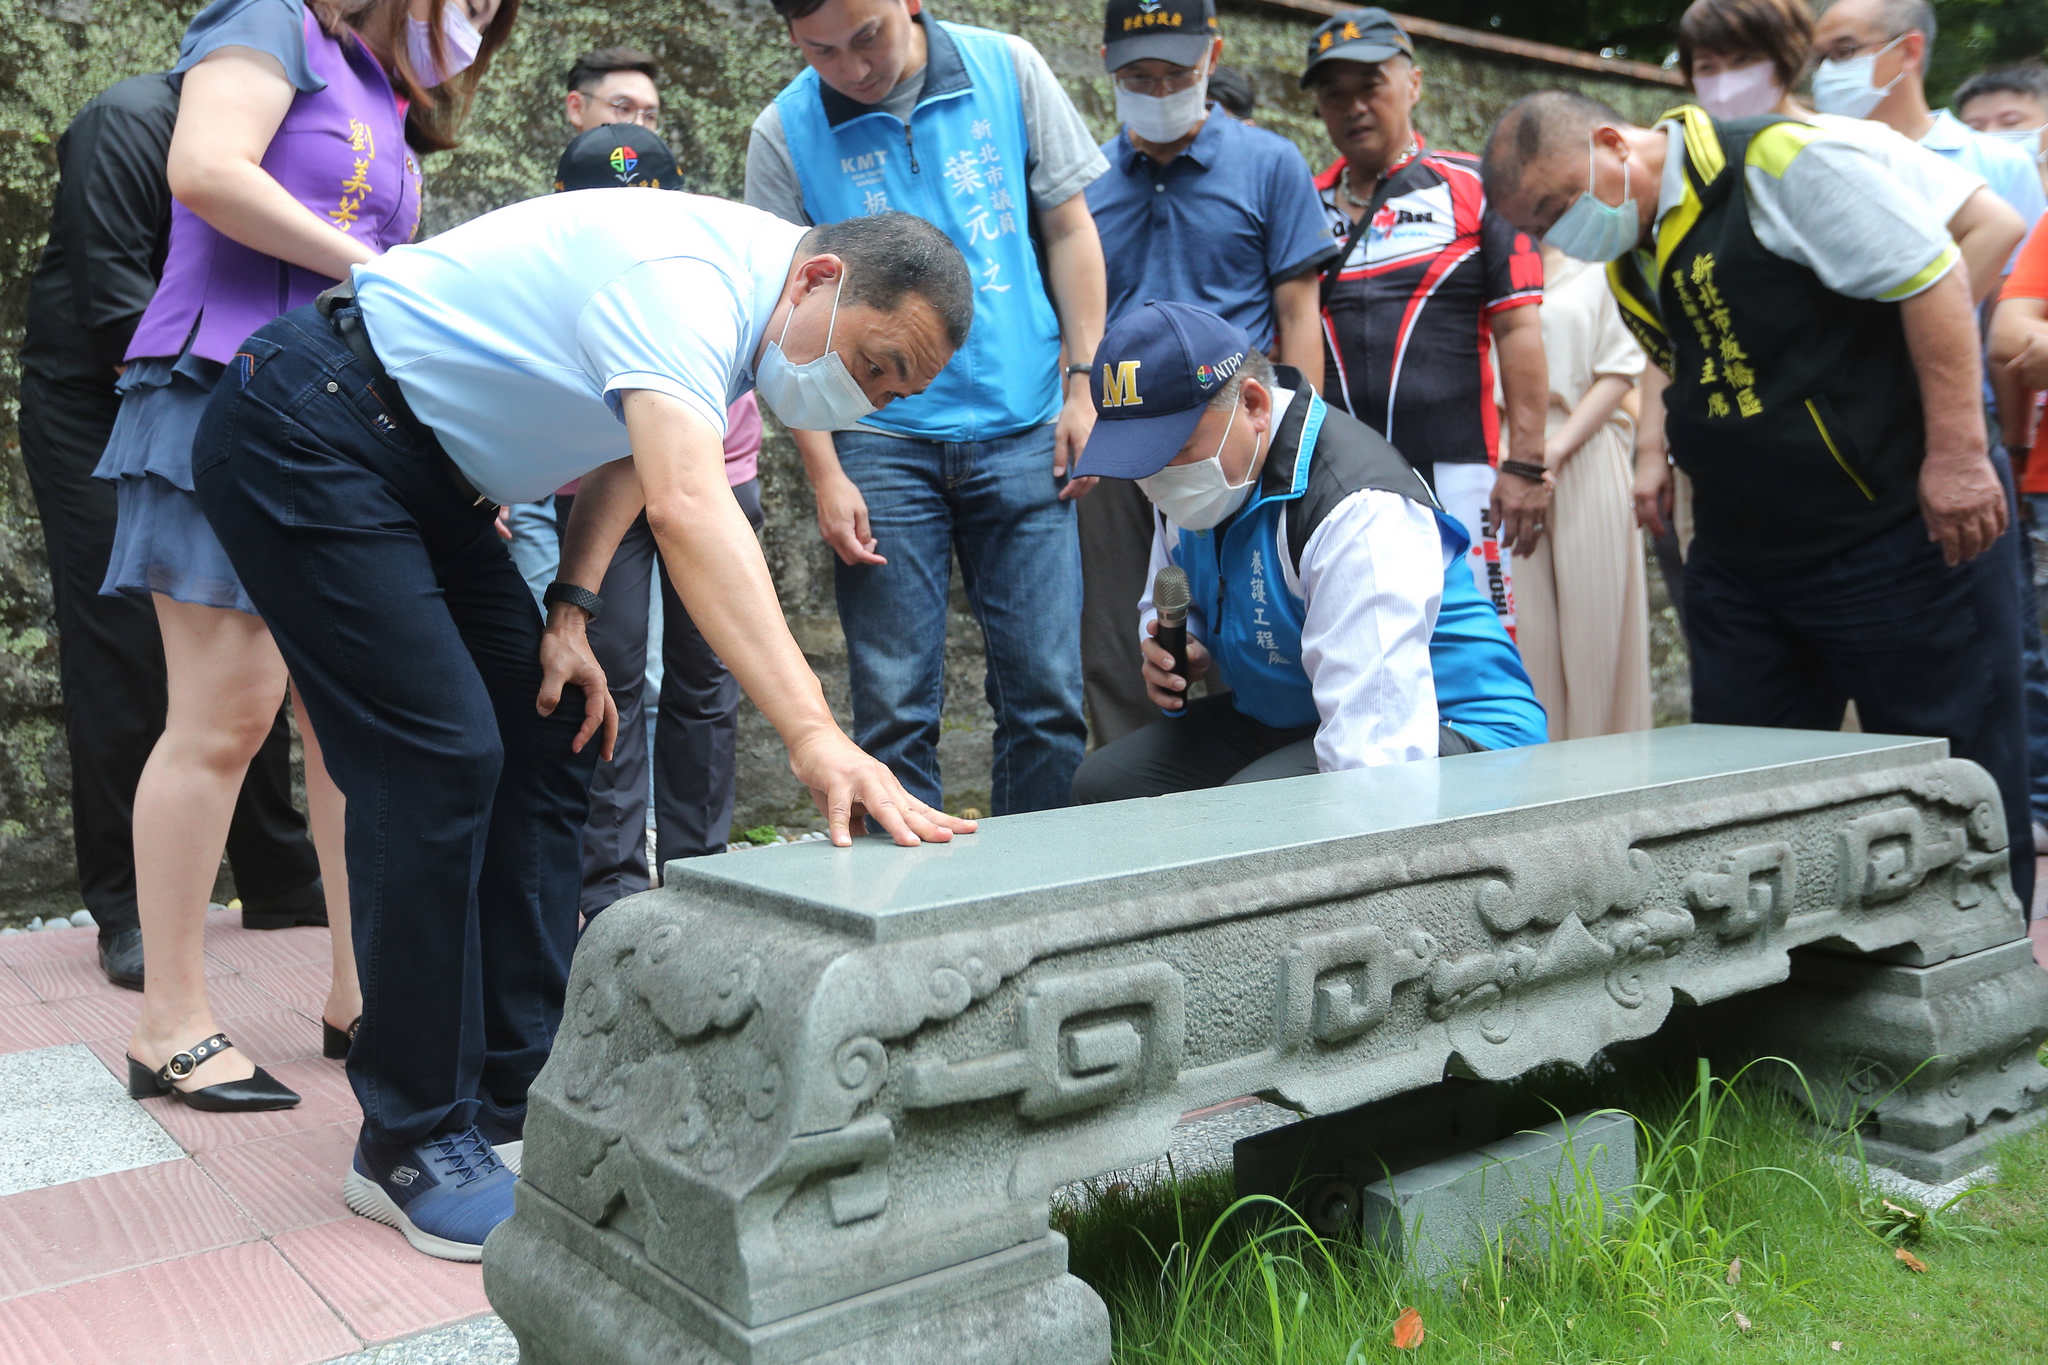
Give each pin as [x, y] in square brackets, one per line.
[818, 395]
[1745, 92]
[1163, 118]
[1198, 496]
[2026, 139]
[458, 36]
[1844, 87]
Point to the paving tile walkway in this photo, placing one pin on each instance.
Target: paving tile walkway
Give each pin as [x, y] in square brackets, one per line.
[148, 1233]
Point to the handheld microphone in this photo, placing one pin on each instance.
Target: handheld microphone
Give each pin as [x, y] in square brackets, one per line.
[1170, 597]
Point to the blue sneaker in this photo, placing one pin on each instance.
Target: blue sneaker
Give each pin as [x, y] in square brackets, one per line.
[509, 1142]
[445, 1195]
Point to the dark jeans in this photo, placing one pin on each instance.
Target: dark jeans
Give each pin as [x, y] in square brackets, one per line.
[1213, 745]
[416, 646]
[1116, 523]
[696, 719]
[2034, 673]
[996, 505]
[1921, 648]
[110, 662]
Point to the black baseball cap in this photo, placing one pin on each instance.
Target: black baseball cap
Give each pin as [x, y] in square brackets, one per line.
[1154, 374]
[617, 154]
[1232, 89]
[1177, 31]
[1359, 35]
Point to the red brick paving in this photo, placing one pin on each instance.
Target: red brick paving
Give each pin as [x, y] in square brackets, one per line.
[150, 1265]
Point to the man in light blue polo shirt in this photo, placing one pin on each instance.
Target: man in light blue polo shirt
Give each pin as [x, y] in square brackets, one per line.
[352, 462]
[1198, 210]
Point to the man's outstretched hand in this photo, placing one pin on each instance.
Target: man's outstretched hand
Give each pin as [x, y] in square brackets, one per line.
[851, 789]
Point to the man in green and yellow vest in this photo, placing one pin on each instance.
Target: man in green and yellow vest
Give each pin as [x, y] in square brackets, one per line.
[1852, 538]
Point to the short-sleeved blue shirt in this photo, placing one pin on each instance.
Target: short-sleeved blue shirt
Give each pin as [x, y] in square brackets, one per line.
[1217, 227]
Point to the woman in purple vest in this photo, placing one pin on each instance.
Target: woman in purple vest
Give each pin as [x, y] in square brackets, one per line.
[293, 160]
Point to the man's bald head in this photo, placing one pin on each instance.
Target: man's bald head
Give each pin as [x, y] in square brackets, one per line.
[1530, 145]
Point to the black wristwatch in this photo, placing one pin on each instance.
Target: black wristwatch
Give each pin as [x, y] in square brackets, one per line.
[558, 591]
[1077, 369]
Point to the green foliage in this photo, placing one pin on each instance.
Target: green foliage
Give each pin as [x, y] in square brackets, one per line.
[1745, 1238]
[762, 834]
[1971, 34]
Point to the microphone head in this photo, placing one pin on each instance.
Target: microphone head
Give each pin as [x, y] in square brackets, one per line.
[1170, 594]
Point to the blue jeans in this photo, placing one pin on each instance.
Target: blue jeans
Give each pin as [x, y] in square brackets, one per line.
[994, 503]
[416, 648]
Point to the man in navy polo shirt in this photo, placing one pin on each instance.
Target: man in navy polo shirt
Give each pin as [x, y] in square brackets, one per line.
[1329, 590]
[1200, 210]
[966, 128]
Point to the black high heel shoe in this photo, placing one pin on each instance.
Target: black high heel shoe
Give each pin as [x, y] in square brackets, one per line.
[260, 1091]
[334, 1042]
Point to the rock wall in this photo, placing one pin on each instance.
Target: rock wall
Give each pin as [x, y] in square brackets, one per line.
[721, 62]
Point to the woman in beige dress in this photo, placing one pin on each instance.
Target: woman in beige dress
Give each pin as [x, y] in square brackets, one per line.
[1584, 623]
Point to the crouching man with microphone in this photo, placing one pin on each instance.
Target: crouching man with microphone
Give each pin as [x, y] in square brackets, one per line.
[1324, 586]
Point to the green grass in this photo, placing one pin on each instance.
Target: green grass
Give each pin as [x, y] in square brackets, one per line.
[1728, 1171]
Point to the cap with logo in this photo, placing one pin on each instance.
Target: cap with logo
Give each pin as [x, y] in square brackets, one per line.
[1154, 374]
[1359, 35]
[1177, 31]
[617, 154]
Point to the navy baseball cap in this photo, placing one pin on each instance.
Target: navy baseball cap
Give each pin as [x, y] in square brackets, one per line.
[1152, 379]
[617, 154]
[1359, 35]
[1177, 31]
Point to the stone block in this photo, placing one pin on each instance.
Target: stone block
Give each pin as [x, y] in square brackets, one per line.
[1440, 1216]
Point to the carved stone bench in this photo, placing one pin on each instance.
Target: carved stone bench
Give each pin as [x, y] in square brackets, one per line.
[810, 1103]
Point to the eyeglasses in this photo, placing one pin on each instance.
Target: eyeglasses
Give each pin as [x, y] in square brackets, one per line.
[1847, 48]
[628, 111]
[1171, 82]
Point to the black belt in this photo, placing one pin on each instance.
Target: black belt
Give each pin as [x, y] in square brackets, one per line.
[338, 305]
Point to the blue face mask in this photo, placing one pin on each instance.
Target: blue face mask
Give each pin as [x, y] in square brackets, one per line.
[1844, 87]
[1591, 230]
[818, 395]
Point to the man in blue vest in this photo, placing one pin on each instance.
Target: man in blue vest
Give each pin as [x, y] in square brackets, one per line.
[1205, 211]
[966, 128]
[1329, 590]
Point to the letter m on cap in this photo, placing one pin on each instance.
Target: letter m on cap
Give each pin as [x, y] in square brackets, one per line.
[1120, 384]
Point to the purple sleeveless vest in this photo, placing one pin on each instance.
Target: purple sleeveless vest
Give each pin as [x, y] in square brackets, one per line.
[341, 152]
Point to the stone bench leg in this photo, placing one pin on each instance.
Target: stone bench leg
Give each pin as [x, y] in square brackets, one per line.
[1935, 1064]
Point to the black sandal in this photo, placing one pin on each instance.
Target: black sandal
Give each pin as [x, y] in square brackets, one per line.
[260, 1091]
[334, 1042]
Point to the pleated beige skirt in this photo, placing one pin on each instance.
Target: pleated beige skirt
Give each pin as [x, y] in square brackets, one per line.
[1583, 610]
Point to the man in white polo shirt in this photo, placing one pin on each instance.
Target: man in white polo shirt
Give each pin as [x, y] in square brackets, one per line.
[352, 465]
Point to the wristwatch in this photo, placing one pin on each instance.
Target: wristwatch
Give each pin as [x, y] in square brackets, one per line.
[558, 591]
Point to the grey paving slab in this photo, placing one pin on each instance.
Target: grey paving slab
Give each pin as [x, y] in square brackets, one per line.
[66, 1118]
[481, 1340]
[1016, 867]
